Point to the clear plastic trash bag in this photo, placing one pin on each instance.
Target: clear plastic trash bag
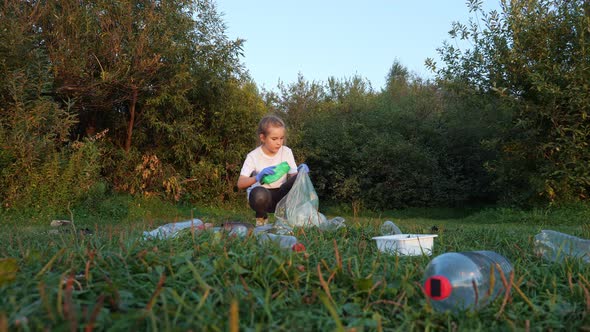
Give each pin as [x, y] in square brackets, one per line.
[299, 208]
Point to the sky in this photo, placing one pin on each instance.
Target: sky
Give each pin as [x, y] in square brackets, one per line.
[340, 38]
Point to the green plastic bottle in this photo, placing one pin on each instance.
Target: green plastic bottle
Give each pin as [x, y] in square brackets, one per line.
[280, 170]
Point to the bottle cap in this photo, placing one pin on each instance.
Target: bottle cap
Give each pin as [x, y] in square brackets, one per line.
[438, 287]
[298, 247]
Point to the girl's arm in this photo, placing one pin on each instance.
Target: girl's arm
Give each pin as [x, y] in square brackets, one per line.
[246, 181]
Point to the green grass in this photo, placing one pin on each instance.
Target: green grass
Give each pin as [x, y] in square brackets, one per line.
[114, 280]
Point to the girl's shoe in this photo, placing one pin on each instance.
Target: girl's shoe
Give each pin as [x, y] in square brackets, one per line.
[261, 221]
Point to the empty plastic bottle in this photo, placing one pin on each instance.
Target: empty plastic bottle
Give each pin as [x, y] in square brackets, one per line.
[389, 228]
[282, 229]
[262, 229]
[171, 230]
[332, 224]
[555, 246]
[280, 170]
[239, 231]
[283, 241]
[459, 281]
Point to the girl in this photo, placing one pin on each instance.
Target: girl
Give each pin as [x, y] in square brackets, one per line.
[263, 198]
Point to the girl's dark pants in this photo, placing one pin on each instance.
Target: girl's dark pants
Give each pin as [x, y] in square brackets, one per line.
[264, 200]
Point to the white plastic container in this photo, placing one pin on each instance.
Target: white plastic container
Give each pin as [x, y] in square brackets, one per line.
[406, 244]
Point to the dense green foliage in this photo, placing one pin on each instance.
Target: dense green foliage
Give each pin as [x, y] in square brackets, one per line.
[150, 98]
[38, 168]
[138, 96]
[534, 57]
[409, 145]
[112, 280]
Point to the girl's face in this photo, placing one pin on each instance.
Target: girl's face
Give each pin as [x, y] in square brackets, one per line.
[273, 140]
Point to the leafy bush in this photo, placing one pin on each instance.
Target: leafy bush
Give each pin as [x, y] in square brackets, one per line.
[52, 184]
[410, 145]
[176, 108]
[533, 57]
[41, 173]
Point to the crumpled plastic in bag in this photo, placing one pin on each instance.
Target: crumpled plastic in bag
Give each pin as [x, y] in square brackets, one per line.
[299, 208]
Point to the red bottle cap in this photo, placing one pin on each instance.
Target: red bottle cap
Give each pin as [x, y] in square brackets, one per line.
[438, 287]
[298, 247]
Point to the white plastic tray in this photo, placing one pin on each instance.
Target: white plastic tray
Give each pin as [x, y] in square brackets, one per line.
[406, 244]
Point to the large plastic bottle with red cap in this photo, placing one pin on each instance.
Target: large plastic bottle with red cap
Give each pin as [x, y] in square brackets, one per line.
[460, 281]
[284, 241]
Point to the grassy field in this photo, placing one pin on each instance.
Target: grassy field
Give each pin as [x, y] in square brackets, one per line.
[114, 280]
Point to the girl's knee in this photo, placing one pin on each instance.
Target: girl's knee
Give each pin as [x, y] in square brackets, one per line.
[260, 198]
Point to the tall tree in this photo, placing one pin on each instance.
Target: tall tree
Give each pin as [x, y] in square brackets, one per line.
[39, 170]
[108, 55]
[534, 56]
[294, 102]
[118, 58]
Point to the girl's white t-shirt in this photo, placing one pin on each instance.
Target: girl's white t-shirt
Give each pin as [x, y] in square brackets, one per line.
[257, 160]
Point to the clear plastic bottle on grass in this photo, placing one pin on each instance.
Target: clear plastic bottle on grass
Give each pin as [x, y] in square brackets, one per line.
[332, 224]
[239, 231]
[262, 229]
[283, 241]
[555, 246]
[172, 229]
[460, 281]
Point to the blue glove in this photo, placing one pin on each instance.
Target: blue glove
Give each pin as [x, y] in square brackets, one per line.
[270, 170]
[303, 168]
